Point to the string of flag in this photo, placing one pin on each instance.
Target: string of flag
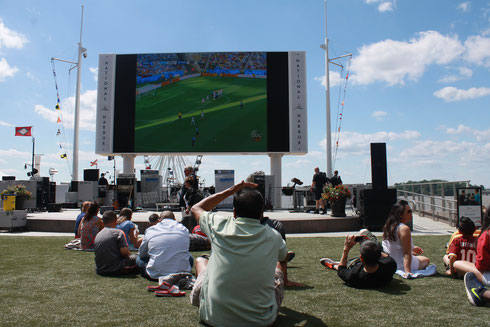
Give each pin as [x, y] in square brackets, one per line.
[60, 129]
[340, 112]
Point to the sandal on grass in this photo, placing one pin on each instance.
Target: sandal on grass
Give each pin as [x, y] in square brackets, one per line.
[164, 286]
[173, 291]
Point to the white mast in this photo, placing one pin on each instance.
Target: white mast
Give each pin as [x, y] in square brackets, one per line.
[327, 76]
[76, 127]
[81, 50]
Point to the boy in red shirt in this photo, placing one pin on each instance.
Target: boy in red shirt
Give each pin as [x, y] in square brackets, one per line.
[461, 246]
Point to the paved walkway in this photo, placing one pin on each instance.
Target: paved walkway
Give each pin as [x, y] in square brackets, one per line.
[421, 225]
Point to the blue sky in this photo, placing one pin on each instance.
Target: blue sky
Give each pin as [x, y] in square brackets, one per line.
[418, 80]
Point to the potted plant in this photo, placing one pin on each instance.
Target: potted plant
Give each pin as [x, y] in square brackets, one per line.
[21, 193]
[337, 196]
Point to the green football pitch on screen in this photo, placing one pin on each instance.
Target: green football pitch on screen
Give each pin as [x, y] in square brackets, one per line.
[185, 116]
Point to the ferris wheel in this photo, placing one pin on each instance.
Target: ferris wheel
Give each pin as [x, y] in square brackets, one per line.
[171, 168]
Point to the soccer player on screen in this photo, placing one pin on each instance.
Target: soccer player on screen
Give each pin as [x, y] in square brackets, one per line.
[193, 121]
[202, 114]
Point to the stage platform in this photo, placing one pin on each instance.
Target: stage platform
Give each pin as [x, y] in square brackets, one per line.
[294, 222]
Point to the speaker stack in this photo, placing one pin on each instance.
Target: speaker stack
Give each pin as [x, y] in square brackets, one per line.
[375, 204]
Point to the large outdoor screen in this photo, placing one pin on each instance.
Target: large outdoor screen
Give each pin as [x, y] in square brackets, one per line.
[211, 102]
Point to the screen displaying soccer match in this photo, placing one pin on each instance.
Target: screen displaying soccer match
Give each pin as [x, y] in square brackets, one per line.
[202, 102]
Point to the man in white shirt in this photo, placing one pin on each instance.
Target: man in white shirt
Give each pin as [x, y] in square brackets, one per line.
[165, 249]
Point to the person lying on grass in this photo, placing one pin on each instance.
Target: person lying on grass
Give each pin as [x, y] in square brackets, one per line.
[461, 246]
[372, 269]
[242, 283]
[112, 255]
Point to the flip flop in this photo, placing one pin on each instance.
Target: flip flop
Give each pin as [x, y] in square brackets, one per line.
[164, 286]
[171, 292]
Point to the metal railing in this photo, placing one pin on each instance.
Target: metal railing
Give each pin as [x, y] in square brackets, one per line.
[439, 207]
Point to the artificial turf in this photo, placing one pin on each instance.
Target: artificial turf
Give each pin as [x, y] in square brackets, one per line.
[236, 121]
[43, 284]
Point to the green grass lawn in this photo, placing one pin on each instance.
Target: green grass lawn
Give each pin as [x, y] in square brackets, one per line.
[43, 284]
[227, 126]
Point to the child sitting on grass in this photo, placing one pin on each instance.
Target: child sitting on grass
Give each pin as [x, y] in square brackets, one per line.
[461, 246]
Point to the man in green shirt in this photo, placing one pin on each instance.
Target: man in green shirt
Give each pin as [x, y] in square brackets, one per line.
[242, 284]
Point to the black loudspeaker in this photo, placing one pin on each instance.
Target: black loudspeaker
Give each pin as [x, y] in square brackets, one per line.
[260, 180]
[91, 175]
[8, 178]
[74, 186]
[375, 205]
[54, 207]
[378, 166]
[52, 192]
[138, 186]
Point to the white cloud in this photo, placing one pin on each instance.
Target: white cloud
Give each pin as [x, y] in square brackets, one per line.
[379, 115]
[464, 7]
[335, 79]
[11, 39]
[95, 72]
[385, 6]
[451, 93]
[14, 153]
[357, 143]
[393, 62]
[6, 70]
[480, 135]
[3, 123]
[32, 77]
[478, 50]
[464, 72]
[88, 104]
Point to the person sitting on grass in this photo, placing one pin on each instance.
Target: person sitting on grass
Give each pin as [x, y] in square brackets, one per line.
[84, 209]
[397, 240]
[477, 279]
[242, 283]
[153, 220]
[89, 227]
[129, 228]
[461, 246]
[165, 249]
[372, 269]
[112, 255]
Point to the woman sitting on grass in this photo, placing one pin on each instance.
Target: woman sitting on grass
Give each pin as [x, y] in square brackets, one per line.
[89, 227]
[397, 240]
[125, 224]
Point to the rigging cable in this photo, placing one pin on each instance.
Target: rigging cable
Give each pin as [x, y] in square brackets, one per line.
[341, 113]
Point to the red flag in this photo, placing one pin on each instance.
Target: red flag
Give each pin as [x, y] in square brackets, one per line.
[93, 163]
[59, 120]
[23, 131]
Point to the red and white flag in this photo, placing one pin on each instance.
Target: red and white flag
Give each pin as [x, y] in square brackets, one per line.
[93, 163]
[23, 131]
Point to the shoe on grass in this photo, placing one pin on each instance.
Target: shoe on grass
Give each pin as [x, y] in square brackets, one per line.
[328, 263]
[474, 289]
[291, 255]
[316, 211]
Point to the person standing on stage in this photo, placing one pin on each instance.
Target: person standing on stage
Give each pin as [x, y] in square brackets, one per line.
[319, 180]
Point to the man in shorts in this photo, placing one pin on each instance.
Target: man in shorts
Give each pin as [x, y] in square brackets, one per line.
[372, 269]
[242, 283]
[319, 180]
